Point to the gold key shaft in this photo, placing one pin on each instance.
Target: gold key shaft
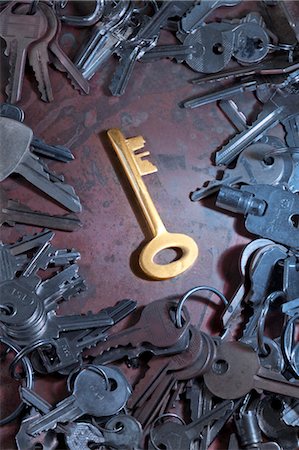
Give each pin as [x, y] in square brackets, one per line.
[135, 167]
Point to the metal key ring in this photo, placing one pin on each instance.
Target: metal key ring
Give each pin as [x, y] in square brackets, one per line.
[163, 416]
[261, 323]
[23, 353]
[85, 21]
[178, 314]
[29, 380]
[91, 367]
[285, 351]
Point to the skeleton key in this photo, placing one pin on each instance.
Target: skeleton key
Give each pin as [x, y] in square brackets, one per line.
[135, 167]
[60, 60]
[12, 212]
[236, 370]
[19, 31]
[254, 166]
[282, 105]
[195, 17]
[17, 158]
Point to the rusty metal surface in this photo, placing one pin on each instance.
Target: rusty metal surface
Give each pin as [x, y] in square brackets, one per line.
[181, 143]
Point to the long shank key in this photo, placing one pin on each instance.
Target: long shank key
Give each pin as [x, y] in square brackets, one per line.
[135, 167]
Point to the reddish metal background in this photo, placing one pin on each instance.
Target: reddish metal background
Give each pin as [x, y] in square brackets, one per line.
[181, 143]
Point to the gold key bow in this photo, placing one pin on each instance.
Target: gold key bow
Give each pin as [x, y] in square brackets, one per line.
[135, 167]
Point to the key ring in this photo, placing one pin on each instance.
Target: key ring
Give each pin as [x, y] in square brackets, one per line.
[178, 314]
[29, 379]
[85, 21]
[286, 354]
[163, 416]
[261, 323]
[23, 354]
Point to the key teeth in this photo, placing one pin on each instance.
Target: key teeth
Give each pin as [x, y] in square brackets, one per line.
[39, 75]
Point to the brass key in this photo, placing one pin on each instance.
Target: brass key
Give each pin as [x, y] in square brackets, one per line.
[135, 167]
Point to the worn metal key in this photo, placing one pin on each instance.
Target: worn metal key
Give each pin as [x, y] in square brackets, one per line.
[19, 31]
[135, 167]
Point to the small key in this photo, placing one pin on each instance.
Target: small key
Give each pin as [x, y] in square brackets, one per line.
[254, 166]
[19, 32]
[195, 17]
[66, 350]
[236, 370]
[57, 56]
[17, 158]
[123, 432]
[135, 167]
[12, 212]
[39, 59]
[179, 52]
[91, 396]
[282, 106]
[83, 435]
[172, 435]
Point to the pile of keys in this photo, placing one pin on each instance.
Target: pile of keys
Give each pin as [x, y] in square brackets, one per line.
[20, 153]
[131, 30]
[240, 375]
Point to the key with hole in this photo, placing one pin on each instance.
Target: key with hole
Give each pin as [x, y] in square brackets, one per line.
[91, 395]
[257, 164]
[172, 435]
[135, 167]
[16, 157]
[236, 370]
[57, 56]
[12, 212]
[282, 106]
[195, 17]
[19, 31]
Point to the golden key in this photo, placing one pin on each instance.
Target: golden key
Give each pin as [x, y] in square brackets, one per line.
[135, 167]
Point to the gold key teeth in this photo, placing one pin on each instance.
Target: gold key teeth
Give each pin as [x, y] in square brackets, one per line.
[144, 166]
[135, 143]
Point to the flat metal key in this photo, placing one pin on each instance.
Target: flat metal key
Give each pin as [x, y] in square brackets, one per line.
[282, 106]
[196, 16]
[16, 157]
[179, 52]
[39, 59]
[135, 167]
[91, 396]
[19, 32]
[236, 370]
[12, 212]
[57, 56]
[256, 165]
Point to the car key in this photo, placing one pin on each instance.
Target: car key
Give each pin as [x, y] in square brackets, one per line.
[19, 32]
[135, 167]
[19, 137]
[12, 211]
[89, 384]
[254, 166]
[282, 105]
[195, 16]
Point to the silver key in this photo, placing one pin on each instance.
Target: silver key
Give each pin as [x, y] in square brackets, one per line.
[91, 396]
[196, 16]
[254, 166]
[283, 105]
[17, 158]
[81, 435]
[123, 432]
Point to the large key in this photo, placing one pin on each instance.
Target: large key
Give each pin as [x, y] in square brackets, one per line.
[19, 31]
[17, 158]
[91, 396]
[283, 105]
[135, 167]
[236, 371]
